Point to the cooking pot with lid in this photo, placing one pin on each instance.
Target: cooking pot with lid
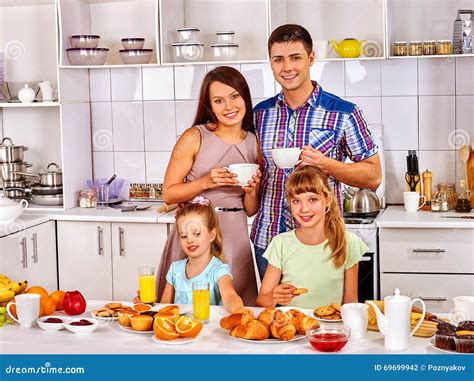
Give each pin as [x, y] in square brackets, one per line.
[49, 178]
[10, 153]
[361, 202]
[13, 171]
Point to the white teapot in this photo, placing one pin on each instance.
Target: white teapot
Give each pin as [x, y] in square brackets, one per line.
[10, 210]
[395, 324]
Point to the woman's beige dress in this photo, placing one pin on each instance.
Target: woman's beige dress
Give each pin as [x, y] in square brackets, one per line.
[213, 153]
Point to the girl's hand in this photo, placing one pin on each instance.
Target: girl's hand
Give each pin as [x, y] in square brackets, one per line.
[252, 184]
[219, 177]
[283, 293]
[136, 299]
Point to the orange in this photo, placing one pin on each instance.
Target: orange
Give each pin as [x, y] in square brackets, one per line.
[167, 315]
[141, 307]
[187, 327]
[172, 311]
[47, 305]
[164, 328]
[58, 297]
[37, 290]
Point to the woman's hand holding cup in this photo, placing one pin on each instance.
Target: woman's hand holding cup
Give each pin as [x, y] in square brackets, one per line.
[252, 183]
[219, 177]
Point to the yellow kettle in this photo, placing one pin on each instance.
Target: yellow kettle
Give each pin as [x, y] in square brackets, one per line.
[347, 48]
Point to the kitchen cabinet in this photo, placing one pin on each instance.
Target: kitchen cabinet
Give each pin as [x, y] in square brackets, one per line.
[31, 254]
[101, 259]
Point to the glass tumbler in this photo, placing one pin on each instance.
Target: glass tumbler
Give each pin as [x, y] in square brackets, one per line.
[201, 301]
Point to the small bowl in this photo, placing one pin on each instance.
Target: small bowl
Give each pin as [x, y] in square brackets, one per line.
[133, 43]
[225, 52]
[329, 338]
[135, 56]
[81, 329]
[87, 56]
[188, 34]
[52, 326]
[84, 41]
[187, 51]
[285, 157]
[225, 37]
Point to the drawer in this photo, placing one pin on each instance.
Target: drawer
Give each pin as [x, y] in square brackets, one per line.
[436, 290]
[427, 250]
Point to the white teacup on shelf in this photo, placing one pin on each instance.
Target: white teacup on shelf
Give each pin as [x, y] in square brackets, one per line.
[286, 157]
[244, 172]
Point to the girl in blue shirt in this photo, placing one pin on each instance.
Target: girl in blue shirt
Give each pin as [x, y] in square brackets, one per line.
[201, 240]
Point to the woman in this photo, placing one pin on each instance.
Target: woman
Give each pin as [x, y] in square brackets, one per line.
[223, 134]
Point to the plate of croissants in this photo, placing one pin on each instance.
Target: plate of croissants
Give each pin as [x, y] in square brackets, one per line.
[270, 326]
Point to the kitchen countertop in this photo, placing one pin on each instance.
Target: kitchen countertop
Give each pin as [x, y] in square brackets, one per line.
[24, 222]
[109, 338]
[397, 217]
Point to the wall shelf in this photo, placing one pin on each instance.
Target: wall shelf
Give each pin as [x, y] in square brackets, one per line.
[29, 105]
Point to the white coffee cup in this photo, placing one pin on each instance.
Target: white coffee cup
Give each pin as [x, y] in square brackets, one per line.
[463, 308]
[356, 317]
[286, 157]
[244, 172]
[27, 309]
[411, 200]
[320, 49]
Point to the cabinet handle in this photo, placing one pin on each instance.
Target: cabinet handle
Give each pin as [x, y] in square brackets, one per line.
[24, 253]
[429, 250]
[365, 259]
[121, 245]
[433, 299]
[99, 240]
[34, 238]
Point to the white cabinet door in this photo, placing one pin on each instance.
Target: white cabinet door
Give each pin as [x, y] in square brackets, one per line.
[42, 266]
[13, 256]
[134, 245]
[84, 258]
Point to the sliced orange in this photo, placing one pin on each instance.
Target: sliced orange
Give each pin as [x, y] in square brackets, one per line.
[141, 307]
[168, 315]
[164, 328]
[170, 310]
[187, 327]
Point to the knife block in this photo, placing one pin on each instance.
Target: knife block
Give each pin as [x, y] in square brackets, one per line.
[470, 176]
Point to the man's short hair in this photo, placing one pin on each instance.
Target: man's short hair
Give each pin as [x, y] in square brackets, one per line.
[291, 33]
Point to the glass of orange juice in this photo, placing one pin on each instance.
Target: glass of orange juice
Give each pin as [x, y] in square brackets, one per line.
[146, 283]
[201, 301]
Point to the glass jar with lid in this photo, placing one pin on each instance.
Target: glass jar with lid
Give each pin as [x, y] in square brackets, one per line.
[88, 198]
[400, 48]
[463, 204]
[415, 48]
[448, 191]
[444, 47]
[429, 48]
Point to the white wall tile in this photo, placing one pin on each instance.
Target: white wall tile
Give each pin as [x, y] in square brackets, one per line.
[436, 76]
[464, 119]
[156, 164]
[126, 84]
[102, 132]
[400, 120]
[437, 119]
[260, 80]
[362, 78]
[330, 75]
[370, 106]
[100, 85]
[127, 120]
[130, 166]
[185, 113]
[441, 163]
[160, 126]
[103, 164]
[188, 80]
[74, 85]
[465, 76]
[395, 168]
[158, 83]
[399, 77]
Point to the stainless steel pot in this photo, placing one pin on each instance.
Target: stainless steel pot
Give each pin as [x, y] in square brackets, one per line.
[49, 178]
[14, 171]
[361, 202]
[10, 153]
[47, 200]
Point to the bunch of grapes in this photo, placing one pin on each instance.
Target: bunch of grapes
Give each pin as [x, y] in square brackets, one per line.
[3, 317]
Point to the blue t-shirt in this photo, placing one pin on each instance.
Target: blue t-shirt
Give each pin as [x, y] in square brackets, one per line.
[183, 287]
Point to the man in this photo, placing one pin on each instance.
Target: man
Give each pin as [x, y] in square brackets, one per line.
[328, 128]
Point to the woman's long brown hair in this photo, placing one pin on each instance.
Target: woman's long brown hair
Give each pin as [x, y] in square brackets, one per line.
[210, 219]
[310, 179]
[230, 77]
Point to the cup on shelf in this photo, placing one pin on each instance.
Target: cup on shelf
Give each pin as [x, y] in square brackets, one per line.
[411, 200]
[102, 196]
[356, 316]
[27, 309]
[46, 91]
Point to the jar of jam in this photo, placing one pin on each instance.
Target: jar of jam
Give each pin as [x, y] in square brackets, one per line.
[400, 48]
[449, 191]
[415, 48]
[444, 47]
[429, 48]
[88, 198]
[463, 204]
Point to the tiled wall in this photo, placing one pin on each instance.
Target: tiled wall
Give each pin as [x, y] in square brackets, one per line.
[423, 104]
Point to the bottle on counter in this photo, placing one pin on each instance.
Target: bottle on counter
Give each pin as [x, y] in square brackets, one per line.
[463, 204]
[447, 196]
[427, 177]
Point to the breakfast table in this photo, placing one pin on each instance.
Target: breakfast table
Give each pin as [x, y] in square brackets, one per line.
[110, 338]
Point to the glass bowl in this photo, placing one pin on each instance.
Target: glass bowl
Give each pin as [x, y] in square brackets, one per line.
[84, 41]
[133, 43]
[136, 56]
[329, 338]
[87, 56]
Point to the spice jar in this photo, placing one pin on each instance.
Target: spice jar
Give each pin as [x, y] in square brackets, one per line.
[400, 48]
[429, 48]
[444, 47]
[415, 48]
[449, 190]
[463, 204]
[88, 198]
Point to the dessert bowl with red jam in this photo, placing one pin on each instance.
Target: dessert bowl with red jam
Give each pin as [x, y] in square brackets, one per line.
[82, 325]
[329, 338]
[52, 323]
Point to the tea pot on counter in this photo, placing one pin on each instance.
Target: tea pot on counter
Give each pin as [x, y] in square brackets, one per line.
[395, 324]
[347, 48]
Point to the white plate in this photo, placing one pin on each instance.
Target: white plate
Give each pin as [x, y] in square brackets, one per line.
[129, 329]
[433, 344]
[113, 318]
[178, 341]
[326, 320]
[271, 341]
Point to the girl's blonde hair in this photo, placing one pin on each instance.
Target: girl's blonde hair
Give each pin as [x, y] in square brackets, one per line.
[207, 213]
[311, 179]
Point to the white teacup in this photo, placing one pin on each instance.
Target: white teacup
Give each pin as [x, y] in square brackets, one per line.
[411, 200]
[463, 308]
[320, 49]
[356, 317]
[244, 172]
[27, 309]
[286, 157]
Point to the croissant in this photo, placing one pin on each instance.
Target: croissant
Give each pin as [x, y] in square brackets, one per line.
[267, 316]
[253, 330]
[233, 320]
[303, 323]
[285, 332]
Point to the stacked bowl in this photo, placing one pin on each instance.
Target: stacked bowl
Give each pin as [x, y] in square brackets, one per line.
[188, 49]
[225, 49]
[133, 52]
[85, 51]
